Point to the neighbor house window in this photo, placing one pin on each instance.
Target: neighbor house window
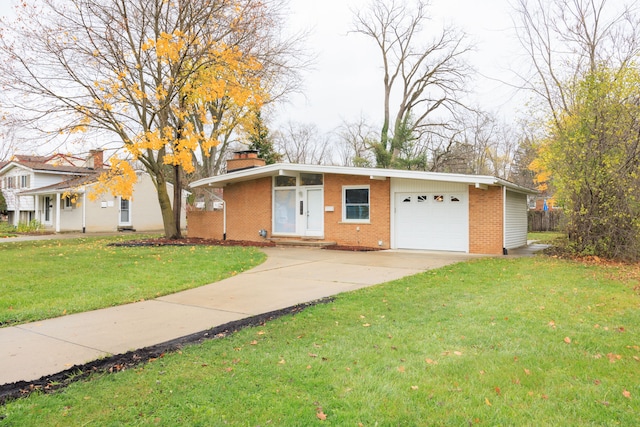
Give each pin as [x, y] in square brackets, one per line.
[24, 181]
[355, 204]
[68, 202]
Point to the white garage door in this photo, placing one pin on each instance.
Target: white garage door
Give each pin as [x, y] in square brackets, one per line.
[432, 221]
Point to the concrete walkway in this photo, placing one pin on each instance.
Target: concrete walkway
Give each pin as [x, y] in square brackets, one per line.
[290, 276]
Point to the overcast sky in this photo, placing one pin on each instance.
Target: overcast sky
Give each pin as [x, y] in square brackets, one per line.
[345, 82]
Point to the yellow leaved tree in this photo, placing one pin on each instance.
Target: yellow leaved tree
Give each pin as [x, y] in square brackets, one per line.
[174, 80]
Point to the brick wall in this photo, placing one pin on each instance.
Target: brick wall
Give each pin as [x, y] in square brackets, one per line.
[205, 224]
[248, 209]
[485, 220]
[362, 234]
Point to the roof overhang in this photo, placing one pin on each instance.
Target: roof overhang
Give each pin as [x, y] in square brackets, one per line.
[289, 169]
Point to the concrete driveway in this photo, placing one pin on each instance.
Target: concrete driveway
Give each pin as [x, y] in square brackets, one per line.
[290, 276]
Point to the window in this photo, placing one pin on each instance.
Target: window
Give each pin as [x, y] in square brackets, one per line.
[423, 199]
[11, 182]
[68, 202]
[407, 199]
[285, 181]
[24, 181]
[439, 198]
[284, 202]
[310, 179]
[356, 204]
[455, 199]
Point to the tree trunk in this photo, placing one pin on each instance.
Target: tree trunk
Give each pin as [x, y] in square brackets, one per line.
[170, 229]
[177, 200]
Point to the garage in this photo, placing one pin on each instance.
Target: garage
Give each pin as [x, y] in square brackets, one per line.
[432, 220]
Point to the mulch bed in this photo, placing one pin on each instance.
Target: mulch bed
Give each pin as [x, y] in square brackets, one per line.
[191, 241]
[131, 359]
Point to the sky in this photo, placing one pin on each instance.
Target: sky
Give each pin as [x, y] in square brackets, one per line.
[345, 82]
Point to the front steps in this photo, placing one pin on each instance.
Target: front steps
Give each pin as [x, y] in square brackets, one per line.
[307, 243]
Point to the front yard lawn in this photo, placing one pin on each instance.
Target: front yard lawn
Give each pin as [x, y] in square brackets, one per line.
[44, 279]
[528, 341]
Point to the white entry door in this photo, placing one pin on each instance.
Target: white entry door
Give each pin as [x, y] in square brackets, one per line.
[125, 212]
[315, 212]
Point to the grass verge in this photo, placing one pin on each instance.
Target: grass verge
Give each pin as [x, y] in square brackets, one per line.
[546, 236]
[529, 341]
[45, 279]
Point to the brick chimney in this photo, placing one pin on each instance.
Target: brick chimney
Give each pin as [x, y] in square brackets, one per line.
[244, 160]
[95, 159]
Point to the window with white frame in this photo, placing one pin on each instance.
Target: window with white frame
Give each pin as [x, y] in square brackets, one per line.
[355, 203]
[24, 181]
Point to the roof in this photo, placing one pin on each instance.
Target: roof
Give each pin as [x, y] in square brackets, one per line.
[45, 167]
[63, 186]
[57, 164]
[374, 173]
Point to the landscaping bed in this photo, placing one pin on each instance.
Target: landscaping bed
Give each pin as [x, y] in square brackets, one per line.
[190, 241]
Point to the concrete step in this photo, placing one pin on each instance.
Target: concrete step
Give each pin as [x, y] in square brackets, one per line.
[307, 243]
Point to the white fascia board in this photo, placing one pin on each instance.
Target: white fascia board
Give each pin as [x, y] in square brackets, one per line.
[288, 169]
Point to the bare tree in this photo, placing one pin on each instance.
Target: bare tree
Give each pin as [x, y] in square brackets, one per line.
[302, 143]
[355, 142]
[426, 78]
[564, 39]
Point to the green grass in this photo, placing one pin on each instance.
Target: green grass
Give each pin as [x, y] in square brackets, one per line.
[529, 341]
[44, 279]
[545, 236]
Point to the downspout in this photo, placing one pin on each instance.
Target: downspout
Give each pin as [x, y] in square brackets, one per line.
[505, 251]
[224, 215]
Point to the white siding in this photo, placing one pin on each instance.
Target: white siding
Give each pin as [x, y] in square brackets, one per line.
[44, 179]
[515, 231]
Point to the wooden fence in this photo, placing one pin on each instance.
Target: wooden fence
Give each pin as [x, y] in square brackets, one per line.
[545, 220]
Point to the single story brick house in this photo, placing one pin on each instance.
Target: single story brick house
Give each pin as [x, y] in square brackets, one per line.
[366, 207]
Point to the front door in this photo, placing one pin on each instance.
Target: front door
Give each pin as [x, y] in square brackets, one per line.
[125, 212]
[314, 212]
[47, 210]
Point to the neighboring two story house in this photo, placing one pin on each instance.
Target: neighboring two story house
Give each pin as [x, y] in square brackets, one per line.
[54, 190]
